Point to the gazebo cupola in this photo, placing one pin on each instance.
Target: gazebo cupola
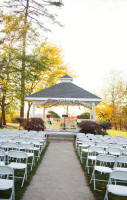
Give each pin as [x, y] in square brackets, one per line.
[66, 79]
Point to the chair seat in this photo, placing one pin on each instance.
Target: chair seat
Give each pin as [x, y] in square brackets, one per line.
[92, 157]
[2, 163]
[30, 154]
[103, 169]
[124, 169]
[36, 148]
[5, 184]
[85, 150]
[15, 165]
[118, 190]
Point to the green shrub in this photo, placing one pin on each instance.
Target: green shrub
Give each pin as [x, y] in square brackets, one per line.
[85, 115]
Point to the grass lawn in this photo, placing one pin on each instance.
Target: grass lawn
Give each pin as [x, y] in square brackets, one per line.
[114, 133]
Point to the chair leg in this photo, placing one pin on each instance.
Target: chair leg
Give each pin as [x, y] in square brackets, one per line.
[106, 195]
[92, 176]
[94, 181]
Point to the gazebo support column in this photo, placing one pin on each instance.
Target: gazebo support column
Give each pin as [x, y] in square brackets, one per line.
[94, 114]
[33, 114]
[43, 112]
[90, 113]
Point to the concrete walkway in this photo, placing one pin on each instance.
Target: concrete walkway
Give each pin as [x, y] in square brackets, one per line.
[59, 176]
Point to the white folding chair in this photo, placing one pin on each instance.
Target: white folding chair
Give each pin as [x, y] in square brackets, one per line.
[7, 180]
[18, 161]
[113, 187]
[37, 146]
[84, 148]
[93, 151]
[29, 149]
[2, 157]
[103, 164]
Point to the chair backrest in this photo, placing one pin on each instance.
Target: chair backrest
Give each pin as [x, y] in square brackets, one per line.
[106, 158]
[120, 146]
[124, 152]
[95, 149]
[34, 141]
[26, 146]
[118, 175]
[2, 155]
[6, 170]
[9, 145]
[87, 144]
[20, 140]
[103, 144]
[17, 154]
[122, 159]
[113, 151]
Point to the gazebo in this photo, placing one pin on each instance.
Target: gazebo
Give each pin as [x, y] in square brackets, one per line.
[64, 93]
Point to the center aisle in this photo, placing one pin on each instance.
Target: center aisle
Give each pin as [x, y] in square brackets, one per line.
[59, 176]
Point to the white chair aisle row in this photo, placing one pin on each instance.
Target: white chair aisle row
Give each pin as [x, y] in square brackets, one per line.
[18, 149]
[108, 156]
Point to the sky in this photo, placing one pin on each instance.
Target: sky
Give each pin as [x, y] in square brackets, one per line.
[93, 39]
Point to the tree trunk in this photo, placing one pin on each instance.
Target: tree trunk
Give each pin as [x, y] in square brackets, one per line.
[23, 62]
[28, 111]
[120, 124]
[3, 111]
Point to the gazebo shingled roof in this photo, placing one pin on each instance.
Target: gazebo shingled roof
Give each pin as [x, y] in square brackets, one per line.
[64, 90]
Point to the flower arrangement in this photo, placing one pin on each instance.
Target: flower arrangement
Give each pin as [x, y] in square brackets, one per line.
[48, 116]
[79, 116]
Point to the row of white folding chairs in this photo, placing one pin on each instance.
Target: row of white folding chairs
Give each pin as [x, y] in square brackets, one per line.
[17, 144]
[91, 148]
[97, 141]
[93, 151]
[84, 145]
[106, 164]
[28, 148]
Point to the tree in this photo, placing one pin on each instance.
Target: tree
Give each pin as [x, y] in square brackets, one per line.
[104, 111]
[8, 60]
[31, 10]
[106, 125]
[50, 56]
[114, 95]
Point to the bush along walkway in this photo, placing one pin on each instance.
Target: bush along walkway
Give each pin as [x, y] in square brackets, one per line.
[100, 185]
[59, 176]
[19, 191]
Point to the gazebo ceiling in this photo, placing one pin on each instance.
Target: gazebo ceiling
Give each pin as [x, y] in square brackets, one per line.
[64, 93]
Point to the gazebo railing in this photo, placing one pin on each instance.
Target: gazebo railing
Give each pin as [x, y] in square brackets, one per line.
[63, 124]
